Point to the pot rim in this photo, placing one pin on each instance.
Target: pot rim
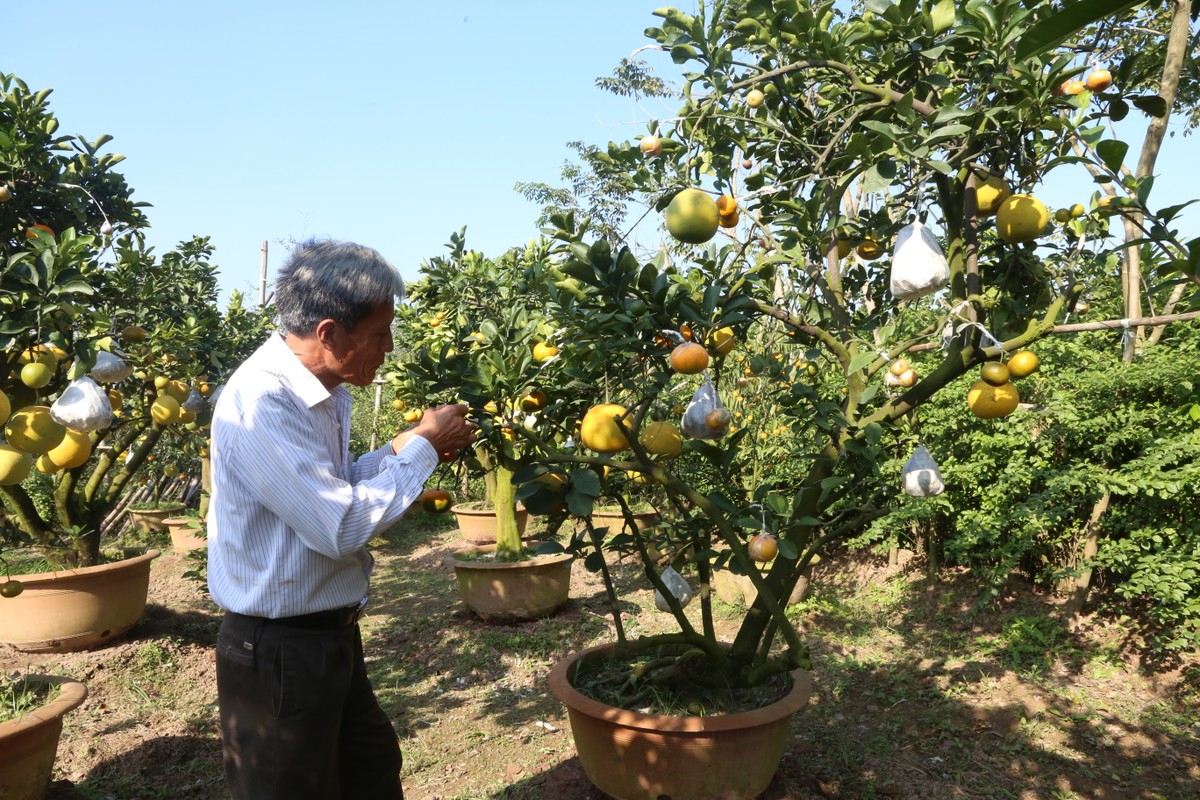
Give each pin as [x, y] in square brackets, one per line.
[461, 508]
[560, 686]
[49, 577]
[536, 561]
[72, 693]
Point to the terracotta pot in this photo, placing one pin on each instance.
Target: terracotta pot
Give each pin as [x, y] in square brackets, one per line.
[615, 520]
[187, 534]
[74, 609]
[29, 744]
[150, 520]
[512, 591]
[634, 756]
[478, 525]
[734, 589]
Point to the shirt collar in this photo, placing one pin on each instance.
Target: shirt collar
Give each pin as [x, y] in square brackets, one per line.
[299, 379]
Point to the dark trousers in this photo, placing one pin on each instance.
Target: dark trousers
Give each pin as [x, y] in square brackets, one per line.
[299, 720]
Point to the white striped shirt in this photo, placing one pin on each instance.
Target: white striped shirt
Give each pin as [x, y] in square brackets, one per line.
[291, 512]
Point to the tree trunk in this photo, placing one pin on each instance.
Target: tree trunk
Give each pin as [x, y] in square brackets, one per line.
[1091, 546]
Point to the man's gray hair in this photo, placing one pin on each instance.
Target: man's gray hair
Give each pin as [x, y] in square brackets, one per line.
[334, 280]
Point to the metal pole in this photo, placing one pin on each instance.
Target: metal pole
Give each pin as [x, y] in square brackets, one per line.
[262, 279]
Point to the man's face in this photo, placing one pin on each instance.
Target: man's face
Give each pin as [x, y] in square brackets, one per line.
[366, 346]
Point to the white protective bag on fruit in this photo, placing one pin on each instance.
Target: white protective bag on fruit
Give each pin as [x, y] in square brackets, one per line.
[921, 475]
[110, 368]
[918, 264]
[694, 424]
[677, 585]
[83, 406]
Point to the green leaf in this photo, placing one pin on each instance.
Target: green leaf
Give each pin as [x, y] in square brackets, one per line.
[1118, 109]
[943, 15]
[1152, 104]
[860, 361]
[1112, 153]
[586, 481]
[1059, 26]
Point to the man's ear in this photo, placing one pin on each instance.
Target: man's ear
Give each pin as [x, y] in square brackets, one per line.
[327, 334]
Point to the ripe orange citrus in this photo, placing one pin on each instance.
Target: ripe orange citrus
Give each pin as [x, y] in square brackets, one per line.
[412, 415]
[134, 333]
[1072, 87]
[726, 205]
[869, 250]
[532, 401]
[15, 465]
[717, 419]
[899, 366]
[763, 547]
[662, 439]
[651, 145]
[692, 216]
[994, 373]
[1099, 80]
[1022, 364]
[178, 389]
[755, 98]
[599, 430]
[1021, 218]
[435, 501]
[992, 402]
[729, 220]
[689, 358]
[32, 430]
[907, 379]
[990, 194]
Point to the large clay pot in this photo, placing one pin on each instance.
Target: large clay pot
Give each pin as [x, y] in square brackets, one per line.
[150, 520]
[511, 591]
[75, 609]
[735, 589]
[615, 520]
[478, 525]
[187, 534]
[29, 744]
[634, 756]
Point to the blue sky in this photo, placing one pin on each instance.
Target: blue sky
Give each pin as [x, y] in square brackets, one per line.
[387, 123]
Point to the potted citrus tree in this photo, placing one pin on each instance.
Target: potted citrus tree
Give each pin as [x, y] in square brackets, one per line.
[476, 334]
[853, 229]
[94, 379]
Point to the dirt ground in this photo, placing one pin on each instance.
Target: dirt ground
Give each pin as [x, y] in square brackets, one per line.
[916, 697]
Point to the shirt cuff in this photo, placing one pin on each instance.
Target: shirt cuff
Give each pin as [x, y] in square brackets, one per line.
[420, 453]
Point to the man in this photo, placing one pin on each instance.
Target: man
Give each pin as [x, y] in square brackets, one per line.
[290, 516]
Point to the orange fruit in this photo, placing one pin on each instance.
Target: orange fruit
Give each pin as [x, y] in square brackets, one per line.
[729, 220]
[994, 373]
[533, 401]
[763, 547]
[1022, 364]
[134, 333]
[29, 234]
[412, 415]
[1099, 80]
[685, 330]
[73, 451]
[869, 250]
[726, 205]
[692, 216]
[435, 501]
[899, 367]
[992, 402]
[651, 145]
[165, 409]
[662, 439]
[907, 379]
[689, 358]
[599, 430]
[717, 419]
[755, 98]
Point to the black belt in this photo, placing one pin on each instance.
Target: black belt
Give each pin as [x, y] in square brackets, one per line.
[319, 620]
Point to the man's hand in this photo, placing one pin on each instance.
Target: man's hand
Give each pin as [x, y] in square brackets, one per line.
[445, 427]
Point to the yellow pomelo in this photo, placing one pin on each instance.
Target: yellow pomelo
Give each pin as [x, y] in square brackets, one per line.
[38, 354]
[186, 416]
[33, 430]
[989, 195]
[662, 439]
[45, 465]
[15, 466]
[72, 451]
[178, 389]
[165, 409]
[599, 430]
[1021, 218]
[5, 407]
[721, 341]
[1022, 364]
[991, 402]
[692, 216]
[35, 375]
